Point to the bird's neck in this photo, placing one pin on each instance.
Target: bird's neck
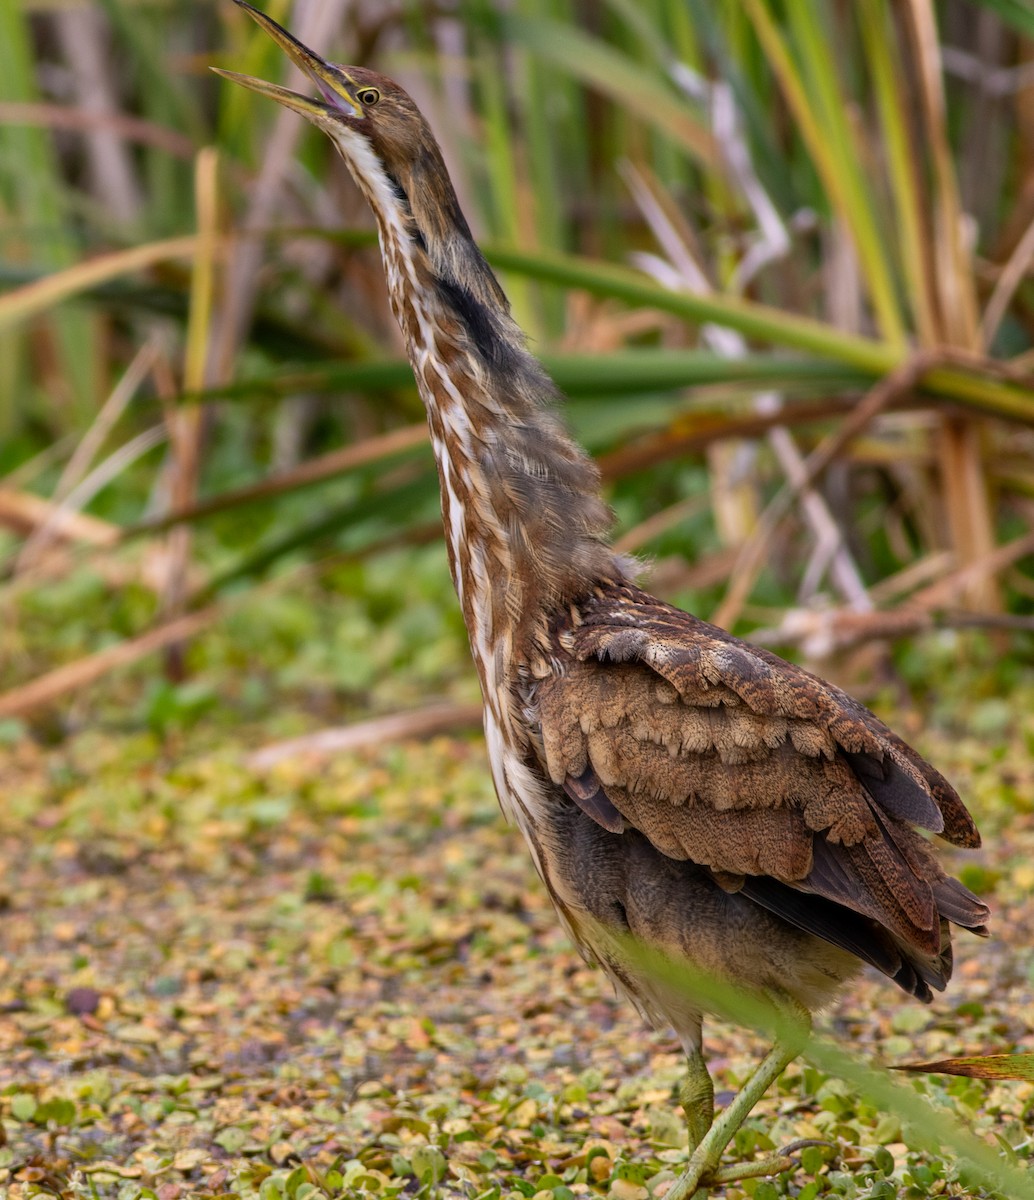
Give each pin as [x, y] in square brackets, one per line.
[526, 528]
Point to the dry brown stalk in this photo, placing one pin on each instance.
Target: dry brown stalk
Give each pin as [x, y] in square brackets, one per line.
[52, 686]
[822, 634]
[880, 397]
[963, 484]
[421, 723]
[696, 430]
[968, 574]
[186, 425]
[130, 129]
[25, 512]
[889, 394]
[313, 470]
[658, 523]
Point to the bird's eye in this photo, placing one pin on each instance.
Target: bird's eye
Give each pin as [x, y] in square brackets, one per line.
[368, 96]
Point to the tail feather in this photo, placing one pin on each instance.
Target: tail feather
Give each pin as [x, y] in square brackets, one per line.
[958, 904]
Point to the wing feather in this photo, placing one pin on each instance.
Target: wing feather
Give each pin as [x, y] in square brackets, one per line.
[723, 754]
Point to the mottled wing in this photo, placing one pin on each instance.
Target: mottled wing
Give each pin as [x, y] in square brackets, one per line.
[782, 785]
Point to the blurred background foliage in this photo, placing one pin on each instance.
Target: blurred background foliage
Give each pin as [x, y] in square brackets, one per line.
[778, 255]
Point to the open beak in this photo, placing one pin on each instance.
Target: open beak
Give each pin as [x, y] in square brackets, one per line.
[331, 82]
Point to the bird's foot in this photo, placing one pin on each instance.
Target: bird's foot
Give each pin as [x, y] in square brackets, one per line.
[702, 1170]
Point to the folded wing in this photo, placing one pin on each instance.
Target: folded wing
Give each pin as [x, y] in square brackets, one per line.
[781, 785]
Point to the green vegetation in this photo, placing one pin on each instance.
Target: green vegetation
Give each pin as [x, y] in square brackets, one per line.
[336, 978]
[779, 257]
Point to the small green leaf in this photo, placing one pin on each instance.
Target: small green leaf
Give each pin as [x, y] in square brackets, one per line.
[883, 1160]
[429, 1164]
[23, 1106]
[909, 1019]
[631, 1172]
[56, 1111]
[888, 1129]
[231, 1139]
[813, 1159]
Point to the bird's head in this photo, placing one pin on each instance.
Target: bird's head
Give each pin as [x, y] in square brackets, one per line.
[377, 128]
[393, 156]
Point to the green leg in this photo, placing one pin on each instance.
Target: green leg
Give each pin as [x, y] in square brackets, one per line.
[702, 1168]
[696, 1095]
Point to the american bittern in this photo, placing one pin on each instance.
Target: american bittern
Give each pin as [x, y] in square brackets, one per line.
[673, 783]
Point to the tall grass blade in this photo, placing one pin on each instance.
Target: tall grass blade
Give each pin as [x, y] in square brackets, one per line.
[934, 1129]
[616, 75]
[34, 298]
[979, 1066]
[623, 373]
[39, 230]
[818, 107]
[1017, 13]
[979, 388]
[185, 425]
[911, 230]
[964, 486]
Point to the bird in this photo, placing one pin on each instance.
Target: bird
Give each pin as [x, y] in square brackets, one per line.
[678, 788]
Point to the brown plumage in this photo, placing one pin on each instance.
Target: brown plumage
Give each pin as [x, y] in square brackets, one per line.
[672, 782]
[791, 794]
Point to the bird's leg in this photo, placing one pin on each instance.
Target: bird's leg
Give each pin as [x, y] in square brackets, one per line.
[702, 1168]
[696, 1095]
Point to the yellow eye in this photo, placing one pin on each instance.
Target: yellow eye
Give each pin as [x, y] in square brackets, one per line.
[368, 96]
